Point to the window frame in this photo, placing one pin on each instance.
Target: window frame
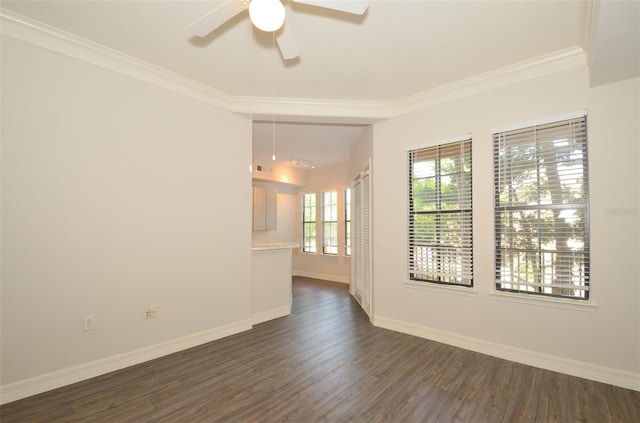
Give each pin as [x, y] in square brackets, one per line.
[538, 290]
[433, 270]
[329, 222]
[310, 247]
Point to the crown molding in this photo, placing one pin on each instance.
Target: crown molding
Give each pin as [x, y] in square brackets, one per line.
[549, 64]
[303, 109]
[285, 109]
[50, 38]
[47, 37]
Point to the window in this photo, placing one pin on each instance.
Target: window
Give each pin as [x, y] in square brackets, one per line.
[541, 209]
[330, 231]
[330, 222]
[440, 215]
[309, 223]
[347, 222]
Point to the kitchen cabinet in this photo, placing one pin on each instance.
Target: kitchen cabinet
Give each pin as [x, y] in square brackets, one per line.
[271, 281]
[265, 209]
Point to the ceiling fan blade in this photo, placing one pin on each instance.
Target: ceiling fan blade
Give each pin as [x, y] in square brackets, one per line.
[287, 42]
[218, 16]
[357, 7]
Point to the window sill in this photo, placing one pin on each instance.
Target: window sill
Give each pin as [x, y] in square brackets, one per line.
[448, 289]
[580, 305]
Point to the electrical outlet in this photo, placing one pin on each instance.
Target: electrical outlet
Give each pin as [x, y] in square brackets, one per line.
[89, 323]
[150, 311]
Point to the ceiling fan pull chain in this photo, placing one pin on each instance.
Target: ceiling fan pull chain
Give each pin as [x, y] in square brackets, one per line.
[273, 95]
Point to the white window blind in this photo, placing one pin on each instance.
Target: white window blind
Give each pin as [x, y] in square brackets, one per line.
[541, 209]
[440, 214]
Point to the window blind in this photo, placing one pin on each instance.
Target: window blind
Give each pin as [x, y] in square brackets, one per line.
[541, 209]
[440, 214]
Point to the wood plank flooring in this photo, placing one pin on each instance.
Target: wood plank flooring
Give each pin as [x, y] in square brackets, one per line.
[326, 363]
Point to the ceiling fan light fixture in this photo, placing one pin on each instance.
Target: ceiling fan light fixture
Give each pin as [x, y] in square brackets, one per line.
[267, 15]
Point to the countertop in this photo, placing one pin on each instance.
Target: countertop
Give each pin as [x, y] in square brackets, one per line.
[274, 246]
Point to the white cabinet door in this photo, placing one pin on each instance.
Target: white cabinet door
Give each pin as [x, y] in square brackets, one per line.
[259, 209]
[272, 209]
[265, 209]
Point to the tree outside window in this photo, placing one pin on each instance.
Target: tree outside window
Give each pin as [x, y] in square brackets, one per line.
[541, 210]
[440, 214]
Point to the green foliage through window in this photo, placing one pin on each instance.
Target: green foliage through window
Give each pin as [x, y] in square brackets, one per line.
[541, 209]
[440, 214]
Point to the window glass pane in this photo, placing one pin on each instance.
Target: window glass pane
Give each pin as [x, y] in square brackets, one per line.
[440, 218]
[424, 194]
[309, 223]
[542, 210]
[330, 222]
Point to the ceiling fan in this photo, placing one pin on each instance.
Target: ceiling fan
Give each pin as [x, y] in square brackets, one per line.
[269, 16]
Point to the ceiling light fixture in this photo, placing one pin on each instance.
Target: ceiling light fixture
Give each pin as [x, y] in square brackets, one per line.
[267, 15]
[302, 163]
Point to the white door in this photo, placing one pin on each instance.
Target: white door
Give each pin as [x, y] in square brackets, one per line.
[361, 241]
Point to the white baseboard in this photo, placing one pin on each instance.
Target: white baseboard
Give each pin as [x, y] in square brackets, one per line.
[322, 276]
[270, 314]
[624, 379]
[57, 379]
[49, 381]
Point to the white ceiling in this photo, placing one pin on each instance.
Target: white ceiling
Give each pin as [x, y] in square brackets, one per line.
[303, 144]
[395, 50]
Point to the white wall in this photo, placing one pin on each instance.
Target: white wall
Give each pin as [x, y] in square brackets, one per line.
[361, 152]
[329, 267]
[115, 194]
[279, 173]
[600, 342]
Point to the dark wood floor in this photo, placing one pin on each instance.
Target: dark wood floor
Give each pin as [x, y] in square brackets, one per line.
[325, 362]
